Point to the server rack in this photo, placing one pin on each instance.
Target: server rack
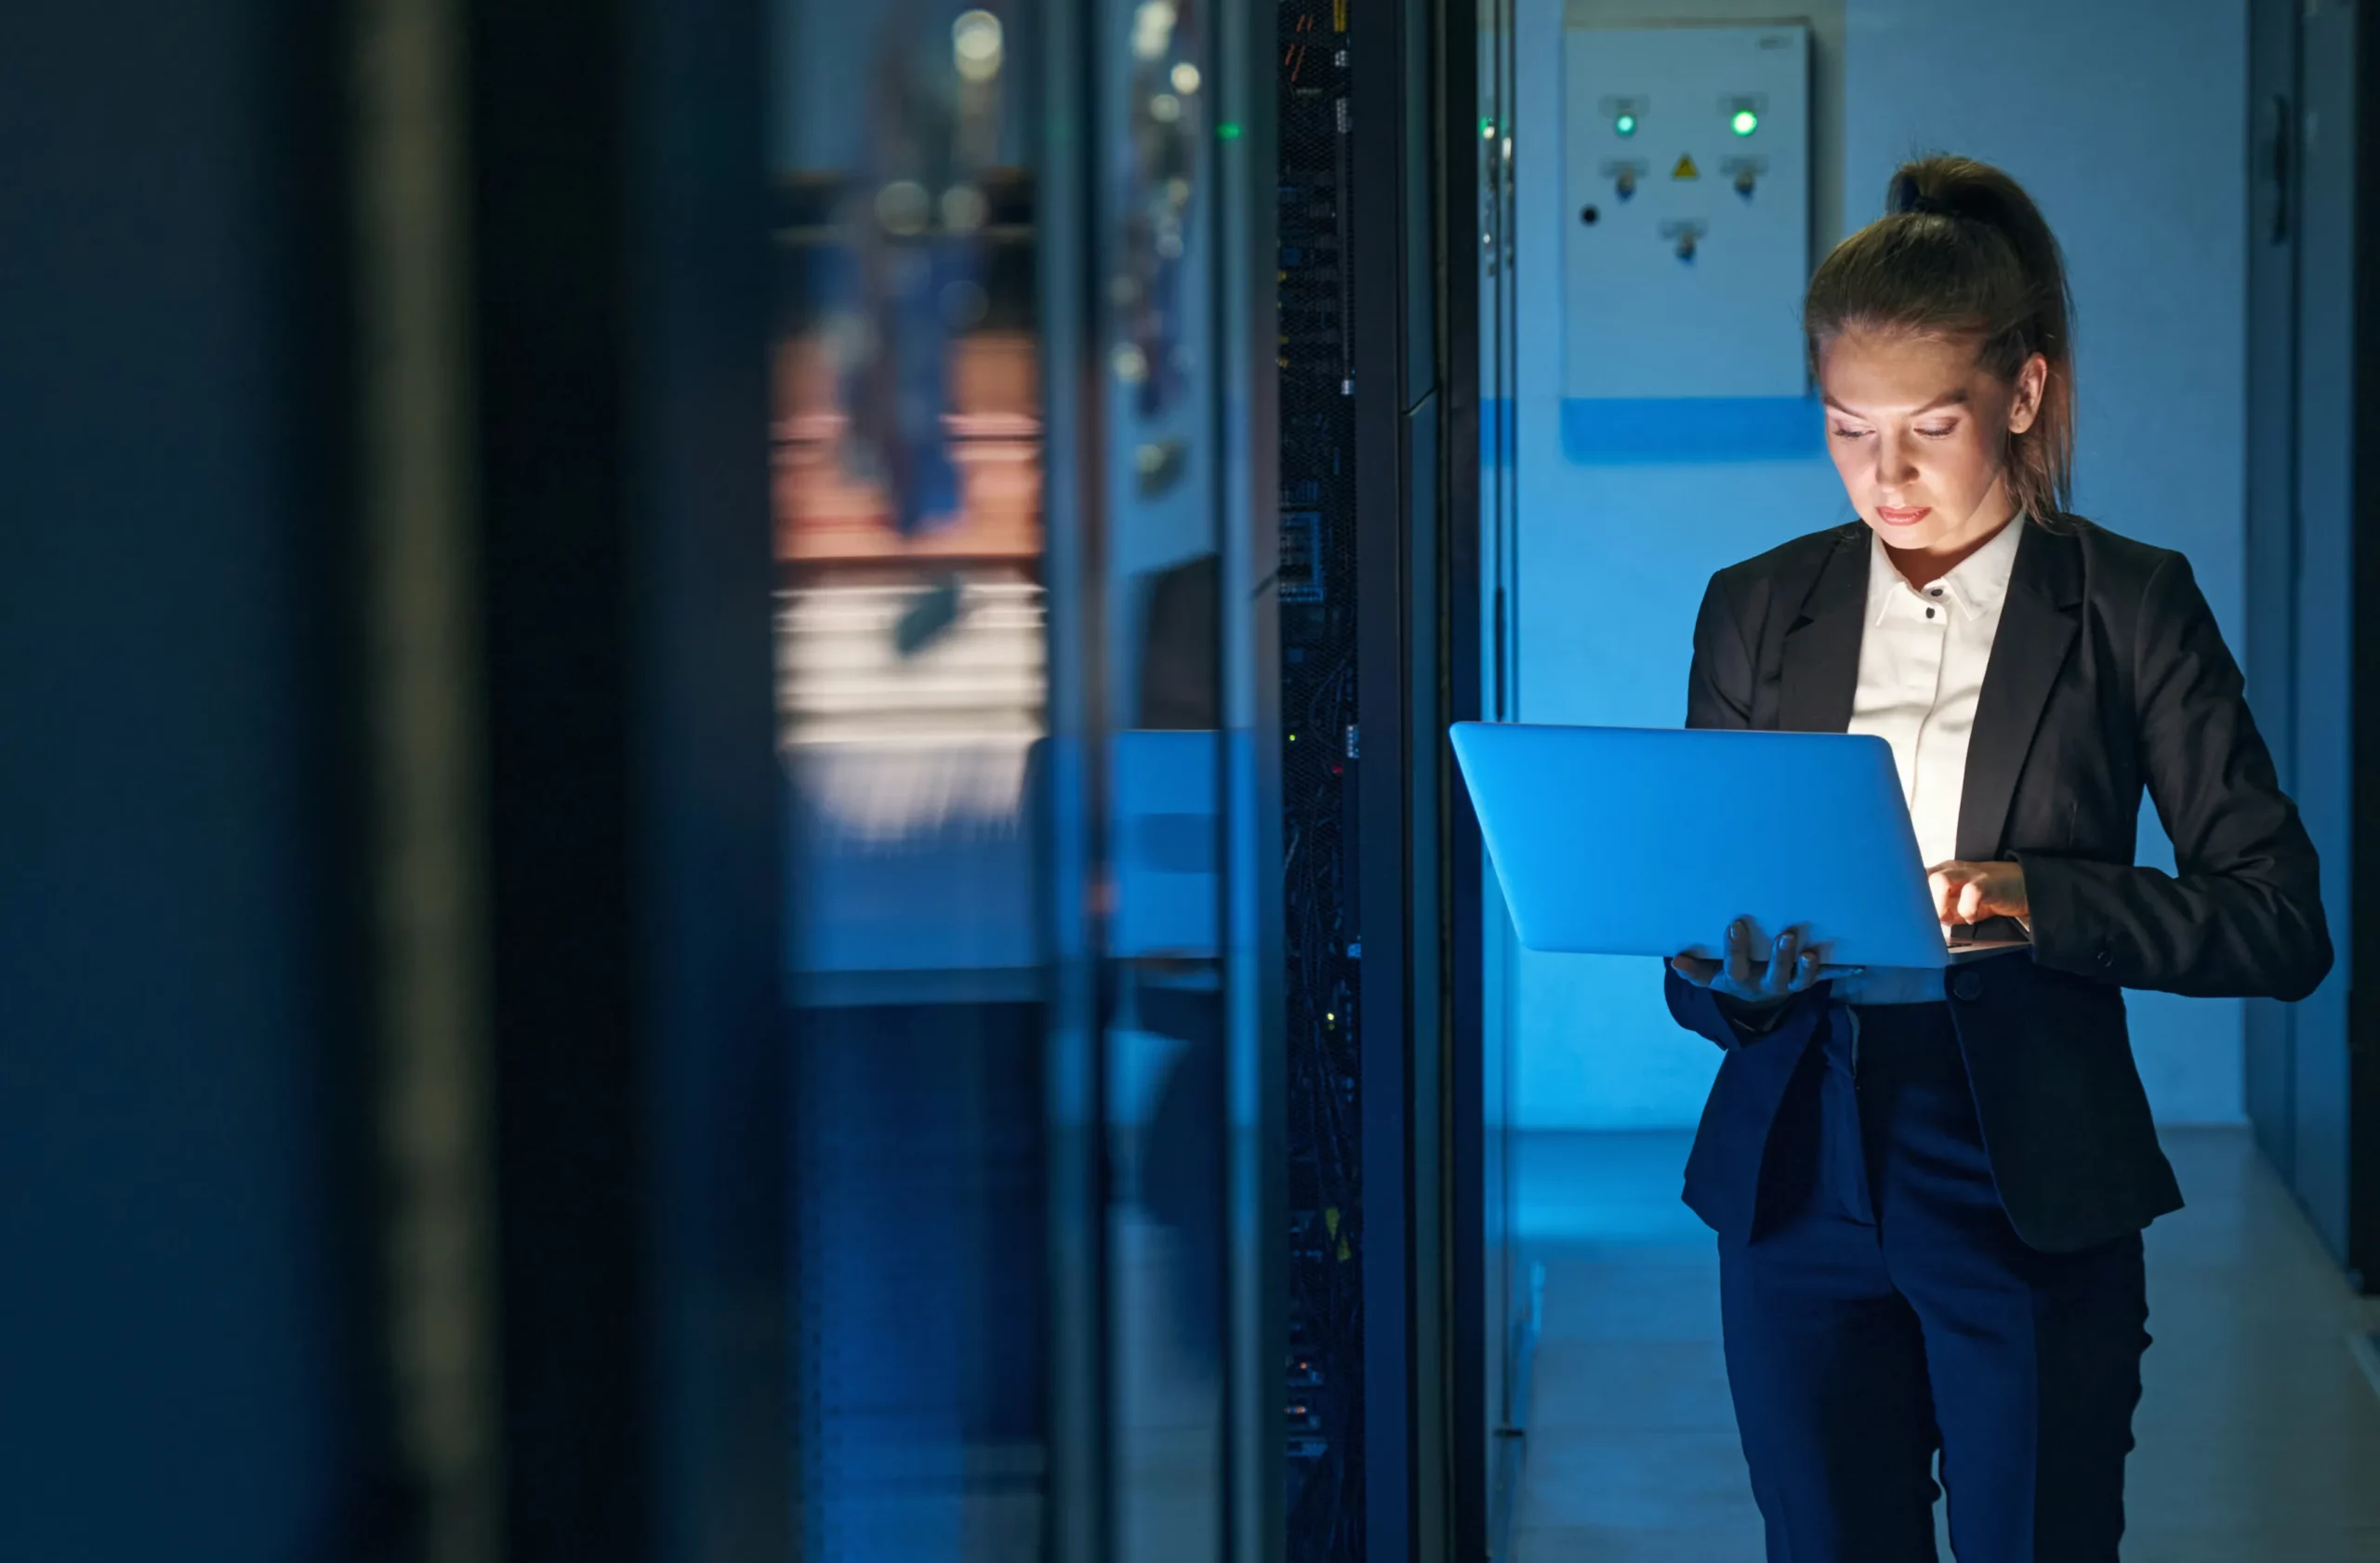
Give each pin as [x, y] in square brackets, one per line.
[1378, 651]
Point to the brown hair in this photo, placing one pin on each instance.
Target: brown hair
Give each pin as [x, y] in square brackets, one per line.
[1961, 250]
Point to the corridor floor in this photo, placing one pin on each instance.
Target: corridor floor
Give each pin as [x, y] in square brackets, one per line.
[2258, 1432]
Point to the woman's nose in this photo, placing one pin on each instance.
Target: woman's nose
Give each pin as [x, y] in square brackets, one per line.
[1895, 461]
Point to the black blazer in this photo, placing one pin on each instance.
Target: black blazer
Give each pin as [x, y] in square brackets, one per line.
[2108, 672]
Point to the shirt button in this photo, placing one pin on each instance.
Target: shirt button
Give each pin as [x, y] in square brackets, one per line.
[1929, 613]
[1968, 986]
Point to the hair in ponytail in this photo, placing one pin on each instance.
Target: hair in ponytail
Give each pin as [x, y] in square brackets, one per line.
[1963, 251]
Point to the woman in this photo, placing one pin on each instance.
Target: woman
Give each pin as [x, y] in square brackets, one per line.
[1930, 1189]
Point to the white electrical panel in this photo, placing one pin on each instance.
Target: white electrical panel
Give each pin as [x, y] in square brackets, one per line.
[1687, 233]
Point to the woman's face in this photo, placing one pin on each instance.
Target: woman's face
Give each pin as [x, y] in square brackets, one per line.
[1919, 430]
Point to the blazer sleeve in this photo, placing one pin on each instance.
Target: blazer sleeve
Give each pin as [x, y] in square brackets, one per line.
[1718, 693]
[1718, 686]
[2243, 915]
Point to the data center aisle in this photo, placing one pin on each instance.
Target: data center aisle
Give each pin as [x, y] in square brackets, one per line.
[2260, 1430]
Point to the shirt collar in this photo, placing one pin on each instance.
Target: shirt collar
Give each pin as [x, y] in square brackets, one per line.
[1977, 586]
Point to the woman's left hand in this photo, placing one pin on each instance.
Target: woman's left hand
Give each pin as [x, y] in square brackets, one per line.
[1979, 892]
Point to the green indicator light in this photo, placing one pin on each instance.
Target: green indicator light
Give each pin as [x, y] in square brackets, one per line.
[1745, 122]
[1625, 125]
[1228, 130]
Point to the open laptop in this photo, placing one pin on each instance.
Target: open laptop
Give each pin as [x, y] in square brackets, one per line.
[1612, 841]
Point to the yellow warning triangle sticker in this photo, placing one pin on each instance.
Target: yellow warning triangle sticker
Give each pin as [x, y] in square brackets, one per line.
[1686, 168]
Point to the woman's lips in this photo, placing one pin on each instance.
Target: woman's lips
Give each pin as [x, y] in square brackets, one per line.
[1892, 517]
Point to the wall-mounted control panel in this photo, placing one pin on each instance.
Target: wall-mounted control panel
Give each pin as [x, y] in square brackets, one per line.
[1686, 167]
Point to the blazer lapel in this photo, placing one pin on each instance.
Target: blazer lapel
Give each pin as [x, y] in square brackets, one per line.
[1820, 675]
[2037, 629]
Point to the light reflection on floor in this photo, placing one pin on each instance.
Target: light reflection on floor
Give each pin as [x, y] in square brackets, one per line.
[2259, 1435]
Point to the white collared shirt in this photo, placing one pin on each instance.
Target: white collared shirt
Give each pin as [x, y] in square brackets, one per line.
[1922, 659]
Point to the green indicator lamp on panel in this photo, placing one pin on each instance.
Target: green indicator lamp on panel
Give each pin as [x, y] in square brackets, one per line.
[1744, 122]
[1625, 123]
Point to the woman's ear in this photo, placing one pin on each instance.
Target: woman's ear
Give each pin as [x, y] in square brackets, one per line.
[2033, 381]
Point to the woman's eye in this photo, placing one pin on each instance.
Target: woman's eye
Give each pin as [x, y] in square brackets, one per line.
[1850, 433]
[1944, 432]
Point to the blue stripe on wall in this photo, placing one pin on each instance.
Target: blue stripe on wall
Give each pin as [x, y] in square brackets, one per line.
[1615, 432]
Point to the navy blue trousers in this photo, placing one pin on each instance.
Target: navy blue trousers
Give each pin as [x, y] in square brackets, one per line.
[1884, 1312]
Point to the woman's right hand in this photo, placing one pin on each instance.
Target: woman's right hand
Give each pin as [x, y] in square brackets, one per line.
[1775, 974]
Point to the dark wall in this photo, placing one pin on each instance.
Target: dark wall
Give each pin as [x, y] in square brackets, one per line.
[174, 1354]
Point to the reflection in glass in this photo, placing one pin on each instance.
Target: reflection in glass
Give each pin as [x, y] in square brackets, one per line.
[1510, 1285]
[1165, 1042]
[913, 685]
[1003, 737]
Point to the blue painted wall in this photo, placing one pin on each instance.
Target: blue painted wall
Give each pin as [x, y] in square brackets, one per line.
[2126, 119]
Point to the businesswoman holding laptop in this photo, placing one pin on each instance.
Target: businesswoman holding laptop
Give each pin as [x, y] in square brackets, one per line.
[1929, 1189]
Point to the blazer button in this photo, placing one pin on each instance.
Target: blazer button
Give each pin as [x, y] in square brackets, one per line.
[2106, 955]
[1968, 986]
